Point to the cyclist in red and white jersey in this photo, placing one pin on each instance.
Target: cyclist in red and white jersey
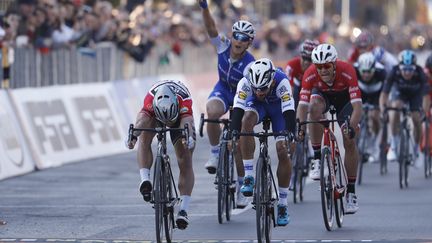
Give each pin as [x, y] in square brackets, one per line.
[365, 43]
[332, 82]
[167, 103]
[296, 67]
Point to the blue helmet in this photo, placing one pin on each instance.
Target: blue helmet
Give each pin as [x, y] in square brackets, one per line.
[407, 57]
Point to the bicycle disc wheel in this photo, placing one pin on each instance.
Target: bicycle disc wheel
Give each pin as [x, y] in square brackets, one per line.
[403, 154]
[221, 179]
[339, 197]
[169, 212]
[159, 204]
[327, 192]
[261, 197]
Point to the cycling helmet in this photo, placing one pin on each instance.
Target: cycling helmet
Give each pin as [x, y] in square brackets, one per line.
[364, 40]
[407, 57]
[244, 27]
[307, 46]
[324, 53]
[165, 104]
[261, 73]
[428, 64]
[366, 61]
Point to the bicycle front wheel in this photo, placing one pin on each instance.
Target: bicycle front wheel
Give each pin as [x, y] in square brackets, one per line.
[327, 189]
[426, 150]
[362, 145]
[403, 157]
[339, 196]
[159, 205]
[169, 222]
[222, 185]
[383, 150]
[262, 199]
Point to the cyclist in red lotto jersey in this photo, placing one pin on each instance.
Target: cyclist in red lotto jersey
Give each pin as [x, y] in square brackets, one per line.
[332, 82]
[167, 103]
[298, 65]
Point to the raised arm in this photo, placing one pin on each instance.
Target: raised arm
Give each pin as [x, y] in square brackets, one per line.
[209, 22]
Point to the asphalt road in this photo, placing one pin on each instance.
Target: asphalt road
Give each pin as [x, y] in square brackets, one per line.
[98, 200]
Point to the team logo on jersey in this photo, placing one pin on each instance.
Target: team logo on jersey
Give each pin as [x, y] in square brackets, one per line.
[282, 90]
[184, 110]
[242, 95]
[286, 97]
[245, 88]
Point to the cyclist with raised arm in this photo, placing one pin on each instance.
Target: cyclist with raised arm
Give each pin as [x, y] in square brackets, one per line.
[410, 85]
[233, 63]
[168, 103]
[371, 76]
[265, 92]
[296, 67]
[332, 82]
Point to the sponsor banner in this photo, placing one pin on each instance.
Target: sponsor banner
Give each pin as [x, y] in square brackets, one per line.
[15, 157]
[70, 123]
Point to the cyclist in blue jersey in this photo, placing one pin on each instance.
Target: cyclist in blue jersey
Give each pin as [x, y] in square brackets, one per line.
[233, 63]
[265, 92]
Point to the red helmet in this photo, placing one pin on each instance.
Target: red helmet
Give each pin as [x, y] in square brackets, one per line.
[364, 40]
[307, 46]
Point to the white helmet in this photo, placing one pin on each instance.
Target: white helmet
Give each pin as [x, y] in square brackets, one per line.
[244, 27]
[261, 73]
[366, 61]
[324, 53]
[165, 104]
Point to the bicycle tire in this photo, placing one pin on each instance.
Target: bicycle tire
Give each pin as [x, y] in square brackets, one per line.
[230, 186]
[169, 222]
[327, 191]
[383, 149]
[402, 157]
[426, 150]
[296, 174]
[221, 184]
[159, 204]
[339, 197]
[362, 150]
[261, 201]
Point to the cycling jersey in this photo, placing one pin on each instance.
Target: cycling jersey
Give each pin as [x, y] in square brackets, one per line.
[294, 72]
[230, 71]
[183, 96]
[381, 55]
[345, 81]
[277, 101]
[416, 85]
[371, 89]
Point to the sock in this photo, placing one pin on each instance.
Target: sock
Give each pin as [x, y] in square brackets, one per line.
[215, 150]
[248, 166]
[145, 174]
[283, 195]
[184, 205]
[317, 150]
[351, 184]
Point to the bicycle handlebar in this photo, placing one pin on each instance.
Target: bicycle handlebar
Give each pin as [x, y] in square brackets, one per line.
[158, 130]
[203, 120]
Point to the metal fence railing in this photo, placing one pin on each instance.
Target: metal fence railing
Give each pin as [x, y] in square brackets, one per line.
[32, 68]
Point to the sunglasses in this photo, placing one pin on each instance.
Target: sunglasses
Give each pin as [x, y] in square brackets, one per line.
[241, 37]
[262, 89]
[324, 66]
[407, 68]
[367, 70]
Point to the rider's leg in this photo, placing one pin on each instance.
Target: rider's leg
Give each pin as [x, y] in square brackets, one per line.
[247, 145]
[215, 109]
[184, 157]
[317, 107]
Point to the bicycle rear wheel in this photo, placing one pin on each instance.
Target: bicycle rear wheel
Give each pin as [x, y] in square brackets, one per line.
[339, 196]
[222, 185]
[263, 216]
[159, 204]
[327, 190]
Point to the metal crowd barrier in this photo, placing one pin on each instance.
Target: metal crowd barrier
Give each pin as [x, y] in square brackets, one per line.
[32, 68]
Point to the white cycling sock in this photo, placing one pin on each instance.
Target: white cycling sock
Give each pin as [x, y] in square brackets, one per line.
[184, 205]
[283, 195]
[248, 166]
[145, 174]
[214, 150]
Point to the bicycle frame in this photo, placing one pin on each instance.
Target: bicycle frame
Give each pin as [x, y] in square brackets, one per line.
[362, 143]
[164, 191]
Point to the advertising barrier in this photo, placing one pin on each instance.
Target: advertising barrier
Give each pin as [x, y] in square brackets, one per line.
[69, 123]
[15, 157]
